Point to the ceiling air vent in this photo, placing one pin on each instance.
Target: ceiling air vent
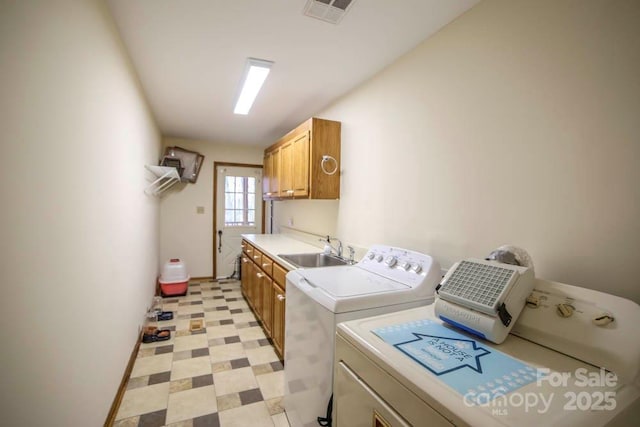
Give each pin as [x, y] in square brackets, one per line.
[328, 10]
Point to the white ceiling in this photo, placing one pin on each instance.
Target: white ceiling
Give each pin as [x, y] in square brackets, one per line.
[190, 55]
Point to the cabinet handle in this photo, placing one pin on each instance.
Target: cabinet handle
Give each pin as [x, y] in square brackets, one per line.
[280, 297]
[265, 265]
[260, 275]
[256, 256]
[289, 191]
[245, 260]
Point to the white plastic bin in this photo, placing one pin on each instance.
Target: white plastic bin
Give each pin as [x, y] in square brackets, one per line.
[174, 279]
[174, 270]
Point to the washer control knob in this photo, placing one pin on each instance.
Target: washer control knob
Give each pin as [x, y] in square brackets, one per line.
[379, 258]
[371, 255]
[416, 268]
[564, 310]
[532, 301]
[603, 319]
[405, 266]
[391, 260]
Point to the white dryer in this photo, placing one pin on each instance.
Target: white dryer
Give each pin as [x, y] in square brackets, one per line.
[579, 367]
[387, 279]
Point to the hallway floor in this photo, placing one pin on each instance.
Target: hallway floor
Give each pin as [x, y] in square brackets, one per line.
[226, 374]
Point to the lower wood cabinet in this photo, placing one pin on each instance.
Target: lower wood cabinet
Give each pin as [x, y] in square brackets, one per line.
[267, 304]
[263, 286]
[244, 273]
[277, 334]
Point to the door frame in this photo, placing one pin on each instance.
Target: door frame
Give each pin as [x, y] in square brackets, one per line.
[215, 202]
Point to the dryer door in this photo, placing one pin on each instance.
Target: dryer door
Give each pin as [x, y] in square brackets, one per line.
[359, 406]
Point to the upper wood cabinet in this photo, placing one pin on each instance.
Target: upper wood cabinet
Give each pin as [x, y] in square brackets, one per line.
[286, 166]
[293, 165]
[267, 174]
[271, 181]
[300, 166]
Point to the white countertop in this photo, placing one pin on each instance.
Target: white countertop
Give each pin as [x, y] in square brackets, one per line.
[276, 244]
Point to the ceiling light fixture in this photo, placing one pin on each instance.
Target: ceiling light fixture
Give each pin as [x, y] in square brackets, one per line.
[255, 73]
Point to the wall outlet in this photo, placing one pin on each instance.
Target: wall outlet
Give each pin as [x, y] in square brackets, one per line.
[290, 221]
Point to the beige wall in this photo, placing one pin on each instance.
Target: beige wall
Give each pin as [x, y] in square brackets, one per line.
[79, 236]
[312, 216]
[184, 233]
[515, 124]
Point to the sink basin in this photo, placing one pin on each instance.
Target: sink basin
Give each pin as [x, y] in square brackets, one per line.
[313, 260]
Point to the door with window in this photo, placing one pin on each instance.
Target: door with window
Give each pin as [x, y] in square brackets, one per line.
[238, 211]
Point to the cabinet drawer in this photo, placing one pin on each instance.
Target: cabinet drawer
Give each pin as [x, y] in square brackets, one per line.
[279, 274]
[257, 257]
[267, 265]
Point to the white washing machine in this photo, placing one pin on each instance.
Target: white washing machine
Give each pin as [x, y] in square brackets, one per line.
[387, 279]
[580, 370]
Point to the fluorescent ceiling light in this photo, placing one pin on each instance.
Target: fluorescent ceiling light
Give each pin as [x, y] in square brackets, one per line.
[255, 73]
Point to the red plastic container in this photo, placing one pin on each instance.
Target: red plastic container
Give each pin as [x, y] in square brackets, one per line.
[174, 279]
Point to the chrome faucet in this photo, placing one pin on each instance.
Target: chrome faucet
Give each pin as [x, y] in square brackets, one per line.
[352, 255]
[339, 250]
[328, 240]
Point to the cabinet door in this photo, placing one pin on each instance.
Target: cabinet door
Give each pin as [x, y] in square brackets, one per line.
[277, 332]
[244, 283]
[258, 278]
[274, 184]
[267, 304]
[300, 165]
[267, 175]
[250, 283]
[286, 170]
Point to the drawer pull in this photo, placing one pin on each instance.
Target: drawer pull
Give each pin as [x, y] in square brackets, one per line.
[260, 275]
[265, 265]
[256, 256]
[280, 297]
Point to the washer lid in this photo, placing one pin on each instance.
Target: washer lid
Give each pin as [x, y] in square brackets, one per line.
[349, 281]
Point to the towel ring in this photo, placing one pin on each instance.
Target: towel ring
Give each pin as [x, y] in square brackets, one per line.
[325, 159]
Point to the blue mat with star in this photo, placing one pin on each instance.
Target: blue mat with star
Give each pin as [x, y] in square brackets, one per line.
[476, 371]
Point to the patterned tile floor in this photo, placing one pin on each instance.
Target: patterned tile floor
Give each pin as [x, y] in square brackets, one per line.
[226, 374]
